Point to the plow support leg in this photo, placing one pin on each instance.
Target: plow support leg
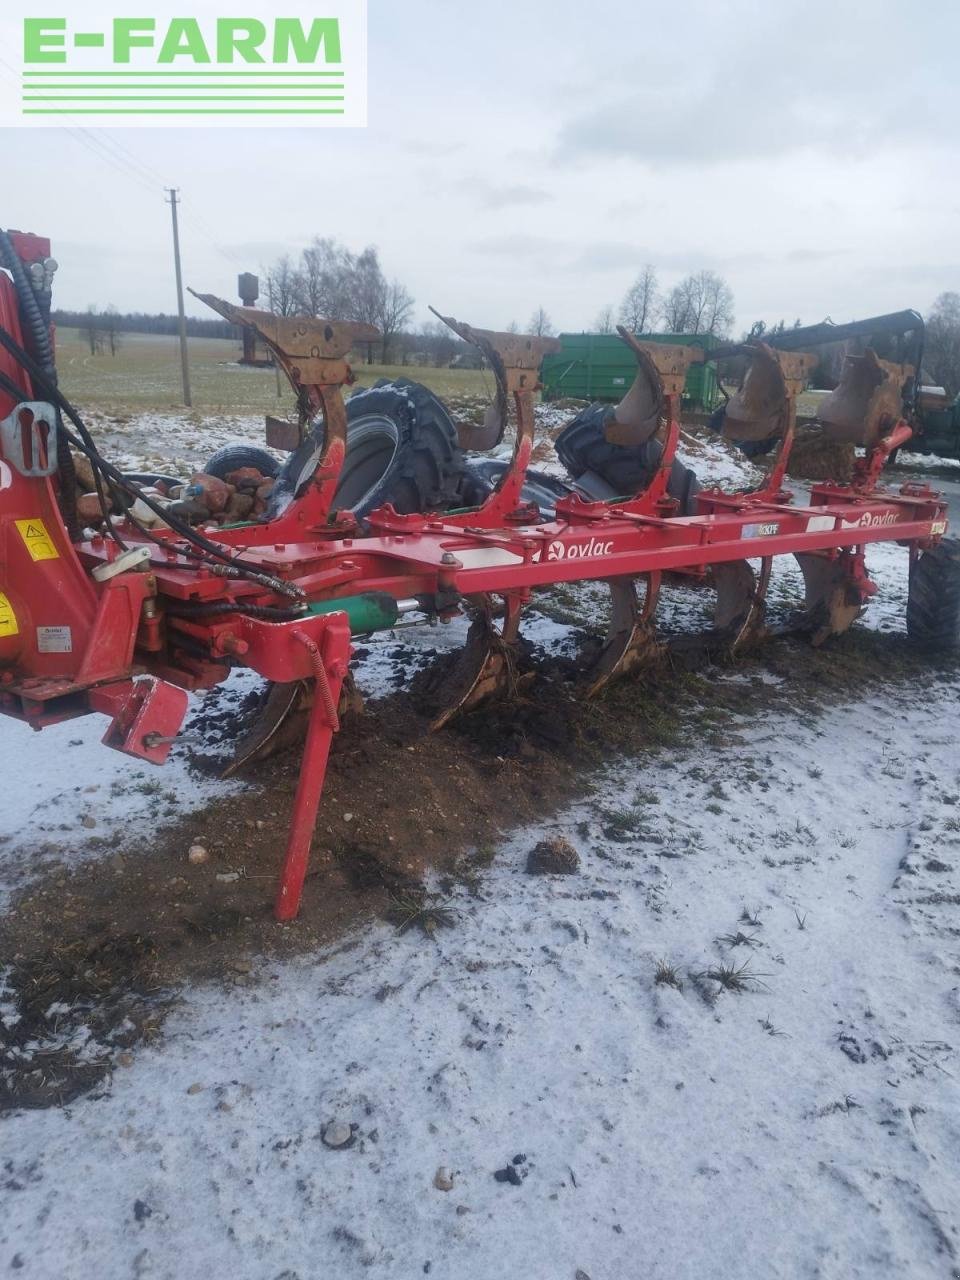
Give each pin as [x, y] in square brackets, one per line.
[329, 662]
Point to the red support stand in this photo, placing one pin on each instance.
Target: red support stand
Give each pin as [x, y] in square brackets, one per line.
[329, 662]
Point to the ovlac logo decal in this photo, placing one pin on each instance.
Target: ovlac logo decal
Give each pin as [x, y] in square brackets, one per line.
[578, 550]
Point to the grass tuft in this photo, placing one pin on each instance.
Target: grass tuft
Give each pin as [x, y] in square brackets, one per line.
[737, 978]
[421, 910]
[667, 976]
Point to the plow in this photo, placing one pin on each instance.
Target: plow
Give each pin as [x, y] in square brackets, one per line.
[143, 597]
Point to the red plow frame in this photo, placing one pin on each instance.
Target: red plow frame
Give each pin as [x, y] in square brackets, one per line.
[139, 625]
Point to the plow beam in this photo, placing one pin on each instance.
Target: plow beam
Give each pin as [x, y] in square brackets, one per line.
[656, 389]
[313, 355]
[515, 359]
[766, 405]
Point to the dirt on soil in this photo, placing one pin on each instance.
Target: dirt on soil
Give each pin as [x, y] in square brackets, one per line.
[114, 939]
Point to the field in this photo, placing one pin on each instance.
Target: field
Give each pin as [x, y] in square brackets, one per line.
[721, 1045]
[145, 374]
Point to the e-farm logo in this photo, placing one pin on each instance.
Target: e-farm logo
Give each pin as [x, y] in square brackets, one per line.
[192, 65]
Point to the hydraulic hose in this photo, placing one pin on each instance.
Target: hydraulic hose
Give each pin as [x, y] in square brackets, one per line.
[39, 326]
[210, 549]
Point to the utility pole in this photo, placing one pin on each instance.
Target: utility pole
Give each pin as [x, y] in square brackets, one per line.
[184, 366]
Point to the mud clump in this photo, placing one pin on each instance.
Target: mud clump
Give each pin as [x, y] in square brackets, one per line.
[553, 857]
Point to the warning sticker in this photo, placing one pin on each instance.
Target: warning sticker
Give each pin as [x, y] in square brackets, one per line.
[8, 619]
[37, 540]
[54, 640]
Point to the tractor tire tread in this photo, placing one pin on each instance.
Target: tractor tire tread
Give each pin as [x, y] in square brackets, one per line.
[933, 600]
[583, 447]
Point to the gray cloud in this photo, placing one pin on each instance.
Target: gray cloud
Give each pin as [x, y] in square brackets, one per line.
[817, 77]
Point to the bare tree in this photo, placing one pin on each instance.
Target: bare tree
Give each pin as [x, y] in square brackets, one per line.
[395, 307]
[942, 353]
[438, 342]
[323, 282]
[604, 320]
[331, 282]
[512, 327]
[700, 303]
[640, 302]
[281, 286]
[540, 324]
[111, 322]
[92, 330]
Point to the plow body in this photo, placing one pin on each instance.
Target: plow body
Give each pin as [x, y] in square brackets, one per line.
[124, 621]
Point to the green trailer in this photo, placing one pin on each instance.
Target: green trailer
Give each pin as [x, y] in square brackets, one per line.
[597, 366]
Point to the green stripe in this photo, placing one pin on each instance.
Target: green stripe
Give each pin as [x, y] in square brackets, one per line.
[182, 111]
[183, 73]
[184, 97]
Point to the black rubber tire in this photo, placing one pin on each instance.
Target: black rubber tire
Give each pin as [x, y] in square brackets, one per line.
[481, 477]
[402, 448]
[933, 601]
[234, 456]
[582, 447]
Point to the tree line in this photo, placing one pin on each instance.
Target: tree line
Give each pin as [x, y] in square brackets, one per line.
[103, 327]
[328, 280]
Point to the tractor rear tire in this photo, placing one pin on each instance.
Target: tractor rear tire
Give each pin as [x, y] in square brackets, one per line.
[583, 448]
[933, 600]
[232, 457]
[402, 448]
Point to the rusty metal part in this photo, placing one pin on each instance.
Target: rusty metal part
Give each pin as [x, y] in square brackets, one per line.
[282, 719]
[661, 372]
[631, 641]
[765, 404]
[868, 400]
[515, 359]
[312, 354]
[486, 667]
[833, 600]
[741, 603]
[284, 435]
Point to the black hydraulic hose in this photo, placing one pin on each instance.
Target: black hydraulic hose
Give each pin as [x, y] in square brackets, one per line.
[38, 320]
[112, 473]
[213, 608]
[28, 304]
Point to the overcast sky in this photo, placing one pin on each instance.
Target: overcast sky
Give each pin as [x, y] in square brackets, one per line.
[540, 151]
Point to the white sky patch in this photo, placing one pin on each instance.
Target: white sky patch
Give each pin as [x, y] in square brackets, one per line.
[585, 188]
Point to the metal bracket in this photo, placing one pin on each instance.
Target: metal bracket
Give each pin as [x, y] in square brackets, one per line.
[28, 438]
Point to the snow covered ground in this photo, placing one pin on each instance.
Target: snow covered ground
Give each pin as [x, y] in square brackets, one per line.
[807, 1126]
[670, 1125]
